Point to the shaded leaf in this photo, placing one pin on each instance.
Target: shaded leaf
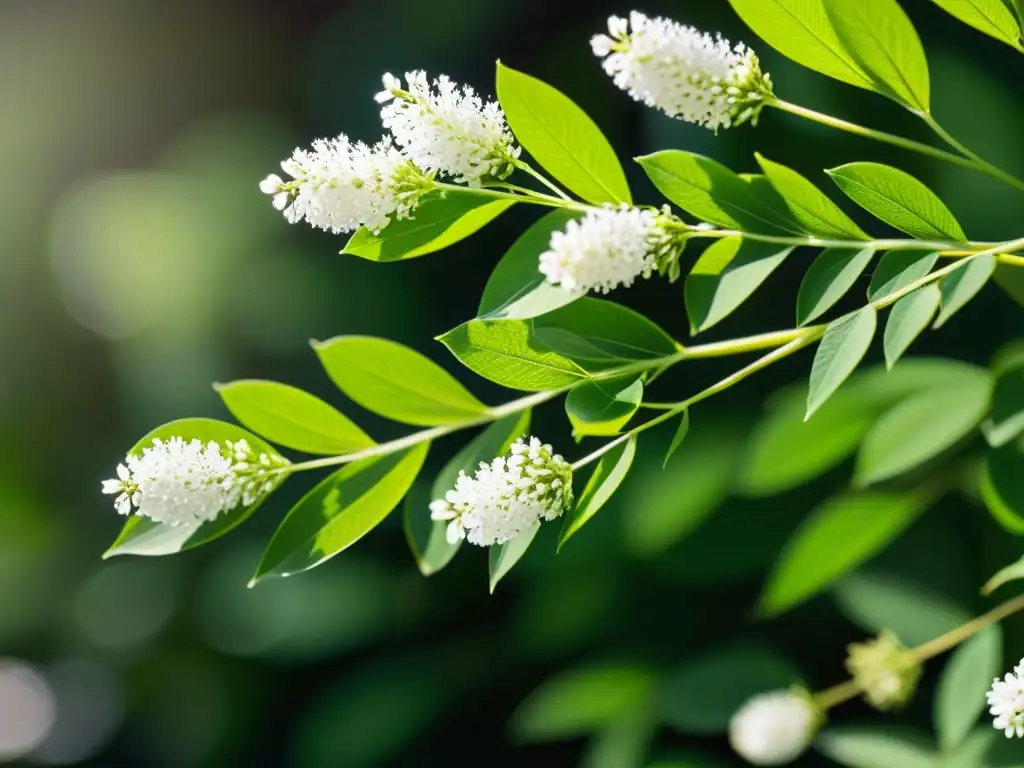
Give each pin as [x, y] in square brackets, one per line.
[967, 676]
[844, 344]
[809, 205]
[624, 741]
[677, 439]
[963, 284]
[603, 406]
[859, 747]
[1002, 487]
[502, 557]
[1006, 421]
[609, 473]
[898, 269]
[988, 16]
[907, 320]
[1011, 280]
[561, 137]
[828, 279]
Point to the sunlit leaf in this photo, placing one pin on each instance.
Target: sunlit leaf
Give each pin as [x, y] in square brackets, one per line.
[502, 557]
[960, 696]
[677, 438]
[844, 344]
[609, 473]
[809, 205]
[988, 16]
[963, 284]
[829, 277]
[603, 406]
[898, 269]
[907, 320]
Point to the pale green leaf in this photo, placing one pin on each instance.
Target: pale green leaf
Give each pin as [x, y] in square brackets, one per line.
[828, 279]
[837, 537]
[967, 676]
[339, 511]
[1011, 280]
[1006, 421]
[725, 275]
[898, 269]
[844, 344]
[859, 747]
[1012, 572]
[561, 137]
[291, 417]
[711, 192]
[988, 16]
[907, 320]
[609, 473]
[142, 536]
[1002, 487]
[963, 284]
[502, 557]
[440, 220]
[898, 199]
[622, 742]
[397, 382]
[516, 288]
[920, 428]
[883, 41]
[802, 31]
[677, 439]
[808, 204]
[603, 406]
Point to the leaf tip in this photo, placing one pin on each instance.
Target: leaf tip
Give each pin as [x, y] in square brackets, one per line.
[315, 343]
[112, 552]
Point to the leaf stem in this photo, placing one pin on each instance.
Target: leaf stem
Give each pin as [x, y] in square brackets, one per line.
[526, 167]
[535, 198]
[981, 164]
[893, 244]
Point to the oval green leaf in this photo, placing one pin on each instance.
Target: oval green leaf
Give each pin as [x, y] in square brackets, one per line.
[960, 696]
[725, 276]
[898, 269]
[907, 320]
[844, 344]
[828, 279]
[561, 137]
[677, 439]
[397, 382]
[142, 536]
[501, 557]
[516, 289]
[339, 511]
[883, 41]
[989, 16]
[1002, 487]
[441, 219]
[601, 407]
[291, 417]
[963, 284]
[1006, 421]
[609, 473]
[837, 537]
[808, 204]
[898, 199]
[877, 748]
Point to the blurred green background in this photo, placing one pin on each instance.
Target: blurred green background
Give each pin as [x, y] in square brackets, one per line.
[139, 263]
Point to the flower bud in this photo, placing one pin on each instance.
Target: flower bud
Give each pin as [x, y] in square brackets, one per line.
[884, 670]
[775, 728]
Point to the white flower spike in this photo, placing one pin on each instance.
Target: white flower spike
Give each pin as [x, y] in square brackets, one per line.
[774, 728]
[1006, 702]
[188, 483]
[447, 129]
[683, 72]
[508, 496]
[607, 248]
[339, 185]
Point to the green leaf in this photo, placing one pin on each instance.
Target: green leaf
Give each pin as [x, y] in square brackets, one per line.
[960, 696]
[581, 701]
[677, 439]
[501, 557]
[877, 748]
[725, 275]
[609, 473]
[516, 288]
[837, 537]
[802, 31]
[339, 511]
[1018, 5]
[442, 219]
[988, 16]
[1006, 421]
[703, 694]
[603, 406]
[508, 353]
[397, 382]
[883, 41]
[1002, 487]
[711, 192]
[426, 537]
[845, 342]
[898, 199]
[1011, 280]
[877, 602]
[962, 284]
[561, 137]
[1013, 572]
[292, 418]
[898, 269]
[907, 319]
[828, 279]
[920, 428]
[808, 204]
[623, 741]
[142, 536]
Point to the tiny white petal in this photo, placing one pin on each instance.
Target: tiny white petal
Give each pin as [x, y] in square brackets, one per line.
[271, 185]
[281, 200]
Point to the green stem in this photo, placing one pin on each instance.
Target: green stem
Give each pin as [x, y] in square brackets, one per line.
[982, 164]
[870, 133]
[894, 244]
[534, 198]
[526, 167]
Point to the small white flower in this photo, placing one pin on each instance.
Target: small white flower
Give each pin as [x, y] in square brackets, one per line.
[607, 248]
[683, 72]
[340, 185]
[175, 482]
[447, 128]
[774, 728]
[506, 497]
[1006, 702]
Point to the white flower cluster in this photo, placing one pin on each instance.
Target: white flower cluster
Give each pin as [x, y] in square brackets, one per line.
[447, 129]
[187, 483]
[774, 728]
[507, 496]
[607, 248]
[1006, 702]
[683, 72]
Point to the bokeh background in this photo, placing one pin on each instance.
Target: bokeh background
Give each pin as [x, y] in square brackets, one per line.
[139, 263]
